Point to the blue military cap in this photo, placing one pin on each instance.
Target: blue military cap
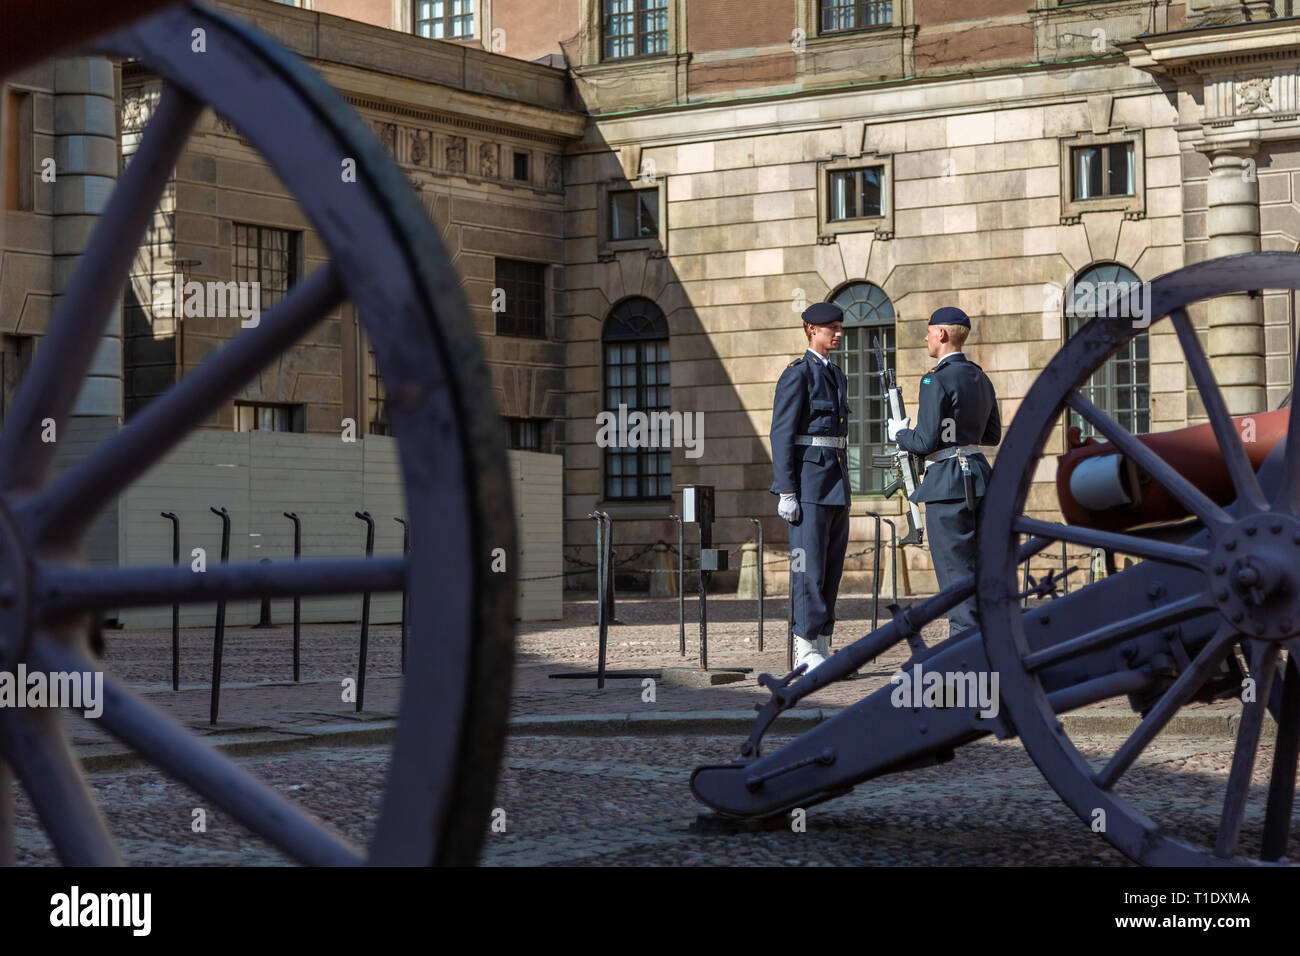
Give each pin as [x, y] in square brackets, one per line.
[950, 315]
[823, 313]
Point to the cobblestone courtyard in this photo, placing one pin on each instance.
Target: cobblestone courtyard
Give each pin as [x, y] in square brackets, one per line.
[581, 793]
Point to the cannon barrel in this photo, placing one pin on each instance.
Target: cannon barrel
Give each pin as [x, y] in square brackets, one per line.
[1099, 487]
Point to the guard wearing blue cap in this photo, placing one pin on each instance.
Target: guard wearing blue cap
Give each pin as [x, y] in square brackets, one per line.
[810, 415]
[957, 412]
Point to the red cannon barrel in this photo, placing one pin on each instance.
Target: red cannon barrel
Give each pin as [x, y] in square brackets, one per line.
[1099, 487]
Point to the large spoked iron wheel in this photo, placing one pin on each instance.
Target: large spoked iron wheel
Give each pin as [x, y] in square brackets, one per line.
[1260, 532]
[387, 259]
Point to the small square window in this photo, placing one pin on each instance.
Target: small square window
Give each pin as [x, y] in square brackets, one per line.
[268, 418]
[855, 194]
[1102, 171]
[634, 214]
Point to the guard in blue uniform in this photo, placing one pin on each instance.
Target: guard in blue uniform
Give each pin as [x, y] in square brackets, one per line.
[956, 413]
[810, 415]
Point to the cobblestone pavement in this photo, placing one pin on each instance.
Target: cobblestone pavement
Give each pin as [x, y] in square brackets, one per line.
[625, 801]
[988, 806]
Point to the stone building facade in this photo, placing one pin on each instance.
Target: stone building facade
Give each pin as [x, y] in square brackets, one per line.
[673, 193]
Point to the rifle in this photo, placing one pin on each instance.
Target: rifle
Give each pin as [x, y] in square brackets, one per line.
[904, 466]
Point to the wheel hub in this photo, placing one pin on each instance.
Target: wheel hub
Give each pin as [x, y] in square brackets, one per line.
[1255, 576]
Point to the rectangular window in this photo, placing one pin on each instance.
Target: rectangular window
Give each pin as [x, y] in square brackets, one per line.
[856, 14]
[855, 193]
[635, 28]
[250, 417]
[636, 376]
[524, 288]
[15, 356]
[634, 214]
[527, 434]
[17, 137]
[267, 256]
[521, 167]
[1100, 171]
[869, 411]
[444, 19]
[377, 422]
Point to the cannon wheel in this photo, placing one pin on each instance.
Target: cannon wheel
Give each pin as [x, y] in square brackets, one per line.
[385, 257]
[1272, 624]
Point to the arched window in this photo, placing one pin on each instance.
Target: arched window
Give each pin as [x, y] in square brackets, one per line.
[635, 341]
[868, 314]
[1121, 387]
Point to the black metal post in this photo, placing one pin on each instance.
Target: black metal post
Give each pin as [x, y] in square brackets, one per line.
[365, 612]
[875, 575]
[602, 623]
[297, 601]
[176, 608]
[264, 618]
[681, 584]
[706, 541]
[1065, 568]
[760, 582]
[1024, 584]
[406, 598]
[219, 640]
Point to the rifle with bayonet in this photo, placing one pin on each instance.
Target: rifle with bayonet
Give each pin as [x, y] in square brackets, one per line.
[904, 467]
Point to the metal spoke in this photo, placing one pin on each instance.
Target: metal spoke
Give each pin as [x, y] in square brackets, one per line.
[1244, 479]
[1127, 544]
[34, 743]
[76, 329]
[1281, 785]
[1263, 665]
[1188, 682]
[59, 589]
[172, 749]
[1191, 497]
[58, 515]
[1102, 637]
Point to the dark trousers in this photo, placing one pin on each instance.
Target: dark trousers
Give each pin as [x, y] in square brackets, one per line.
[822, 532]
[950, 526]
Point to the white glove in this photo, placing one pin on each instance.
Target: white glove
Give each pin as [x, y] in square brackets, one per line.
[896, 425]
[788, 508]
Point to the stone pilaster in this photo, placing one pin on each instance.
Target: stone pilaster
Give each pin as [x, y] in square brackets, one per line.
[1236, 322]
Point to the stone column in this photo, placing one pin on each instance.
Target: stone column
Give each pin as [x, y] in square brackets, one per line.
[86, 157]
[1236, 322]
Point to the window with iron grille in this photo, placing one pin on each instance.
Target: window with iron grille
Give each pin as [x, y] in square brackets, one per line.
[635, 343]
[377, 422]
[1101, 171]
[855, 193]
[855, 14]
[1121, 387]
[267, 256]
[443, 19]
[635, 28]
[15, 355]
[634, 213]
[524, 288]
[527, 434]
[259, 417]
[868, 315]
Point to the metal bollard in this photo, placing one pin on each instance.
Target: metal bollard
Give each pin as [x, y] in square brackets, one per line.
[297, 601]
[760, 583]
[602, 623]
[875, 575]
[365, 612]
[176, 608]
[220, 637]
[264, 617]
[406, 597]
[681, 584]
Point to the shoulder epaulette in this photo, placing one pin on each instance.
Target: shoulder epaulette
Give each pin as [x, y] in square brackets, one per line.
[795, 362]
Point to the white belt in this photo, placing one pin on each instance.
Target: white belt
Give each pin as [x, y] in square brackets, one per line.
[822, 441]
[958, 451]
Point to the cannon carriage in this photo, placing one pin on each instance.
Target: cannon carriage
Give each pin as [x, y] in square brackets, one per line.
[1205, 615]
